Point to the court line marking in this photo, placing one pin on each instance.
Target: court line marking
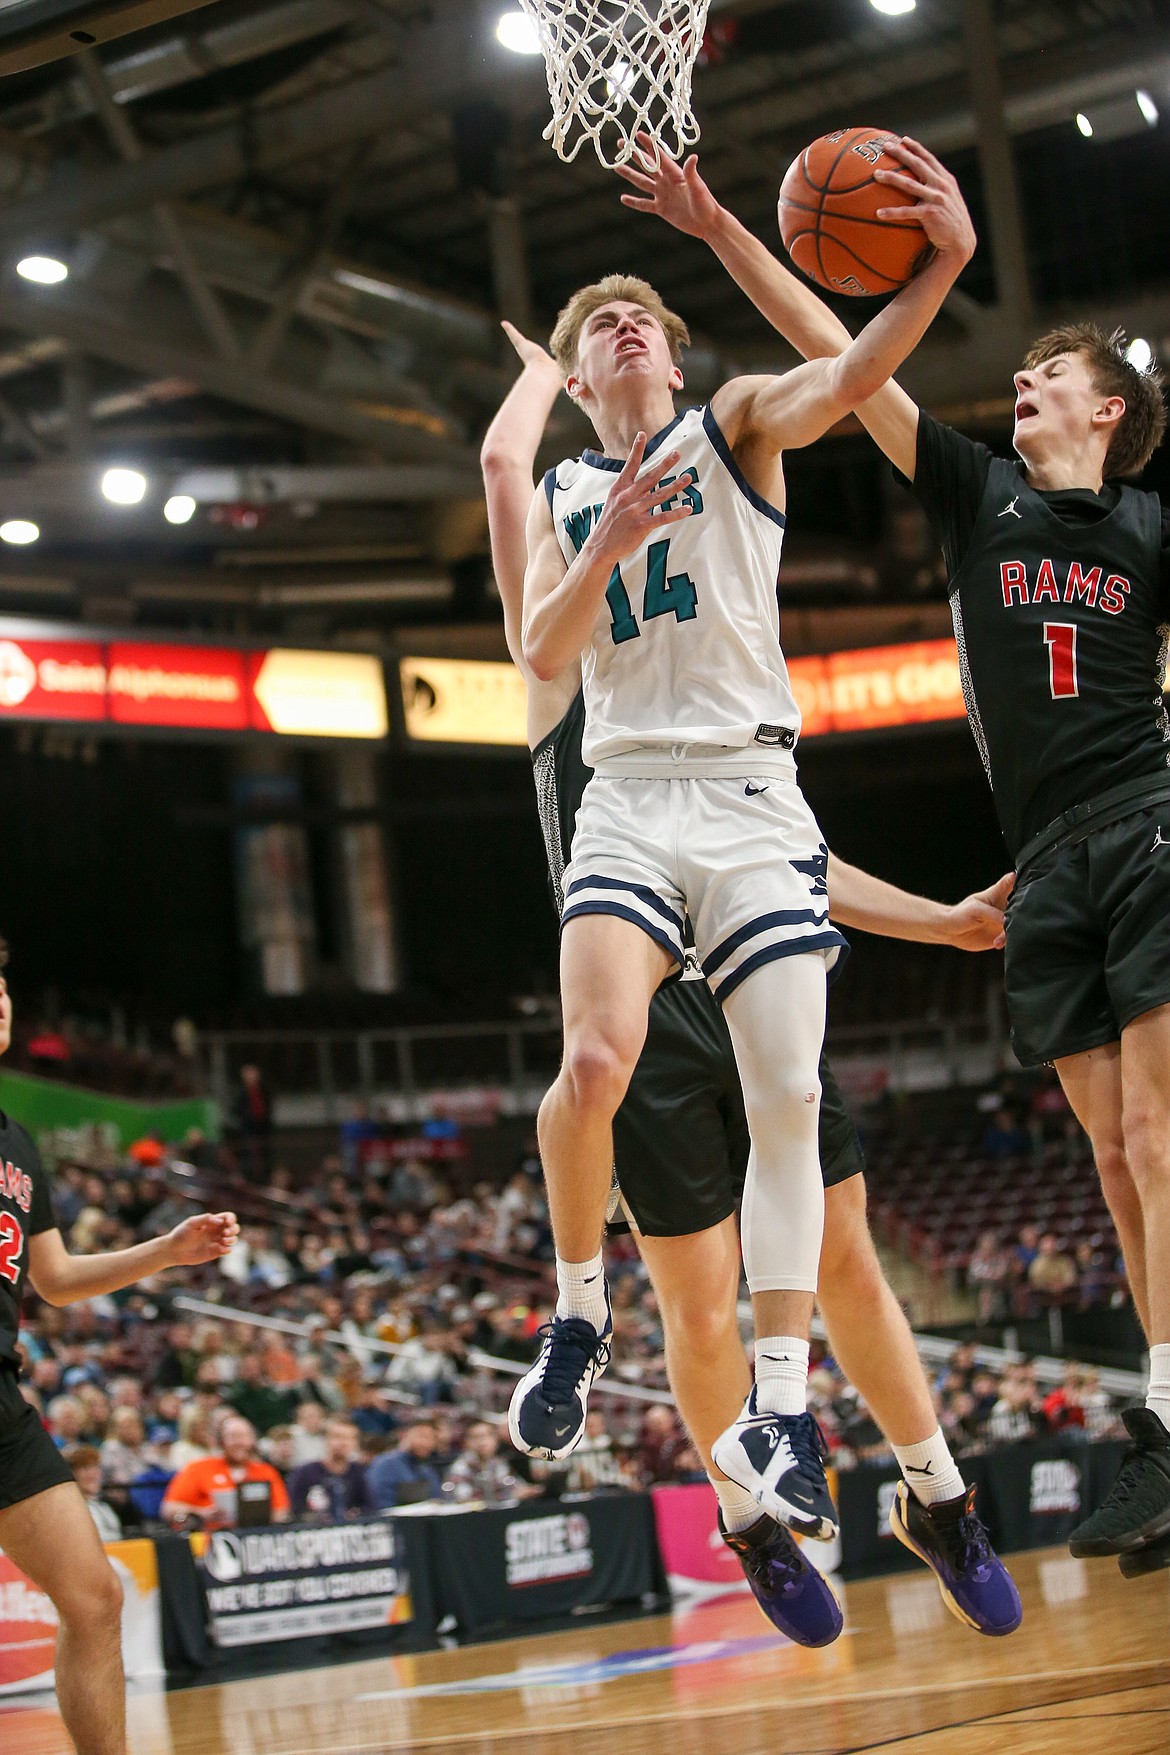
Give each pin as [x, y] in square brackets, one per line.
[480, 1734]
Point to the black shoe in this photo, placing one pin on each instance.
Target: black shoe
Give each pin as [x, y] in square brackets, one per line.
[1137, 1509]
[1154, 1557]
[790, 1591]
[976, 1586]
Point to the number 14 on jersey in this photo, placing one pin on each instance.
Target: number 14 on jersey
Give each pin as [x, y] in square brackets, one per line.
[666, 593]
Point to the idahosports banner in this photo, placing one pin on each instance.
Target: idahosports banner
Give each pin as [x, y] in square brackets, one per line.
[468, 701]
[74, 678]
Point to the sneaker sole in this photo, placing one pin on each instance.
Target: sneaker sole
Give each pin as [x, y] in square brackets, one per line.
[1143, 1562]
[818, 1529]
[898, 1529]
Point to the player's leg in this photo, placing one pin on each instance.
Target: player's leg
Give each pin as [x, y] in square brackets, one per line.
[52, 1538]
[933, 1514]
[1134, 1520]
[1092, 1082]
[776, 1017]
[696, 1283]
[610, 969]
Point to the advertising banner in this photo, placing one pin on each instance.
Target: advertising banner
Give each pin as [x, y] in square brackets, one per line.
[294, 1582]
[283, 691]
[696, 1558]
[524, 1562]
[28, 1621]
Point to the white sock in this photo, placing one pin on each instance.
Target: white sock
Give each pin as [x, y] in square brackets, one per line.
[1158, 1393]
[739, 1509]
[931, 1472]
[781, 1374]
[581, 1290]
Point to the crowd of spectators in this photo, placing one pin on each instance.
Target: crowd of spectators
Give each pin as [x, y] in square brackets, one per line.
[387, 1291]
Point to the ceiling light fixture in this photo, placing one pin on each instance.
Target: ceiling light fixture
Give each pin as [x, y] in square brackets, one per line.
[1118, 118]
[893, 8]
[19, 531]
[45, 270]
[179, 509]
[123, 487]
[517, 32]
[1140, 354]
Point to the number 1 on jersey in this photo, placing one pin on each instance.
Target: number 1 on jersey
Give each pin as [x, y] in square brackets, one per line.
[1061, 641]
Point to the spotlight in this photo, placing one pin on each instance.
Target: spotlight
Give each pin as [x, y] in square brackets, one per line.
[179, 509]
[893, 8]
[1118, 118]
[19, 531]
[1139, 353]
[45, 270]
[517, 32]
[123, 487]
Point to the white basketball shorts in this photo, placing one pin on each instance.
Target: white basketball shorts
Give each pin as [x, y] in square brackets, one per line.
[743, 857]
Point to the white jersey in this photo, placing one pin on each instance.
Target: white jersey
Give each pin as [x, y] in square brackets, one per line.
[684, 673]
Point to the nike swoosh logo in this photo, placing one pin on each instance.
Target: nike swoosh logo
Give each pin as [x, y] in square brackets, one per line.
[562, 1431]
[751, 791]
[778, 1359]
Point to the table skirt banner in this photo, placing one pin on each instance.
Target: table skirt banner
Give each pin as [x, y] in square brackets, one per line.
[697, 1560]
[28, 1621]
[520, 1563]
[299, 1582]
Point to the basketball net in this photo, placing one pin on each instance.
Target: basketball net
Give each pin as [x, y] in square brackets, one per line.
[616, 68]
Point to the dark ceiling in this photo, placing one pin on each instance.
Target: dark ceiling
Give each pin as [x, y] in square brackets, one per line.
[291, 226]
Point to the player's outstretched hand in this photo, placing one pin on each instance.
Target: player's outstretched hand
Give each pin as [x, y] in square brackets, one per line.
[205, 1237]
[976, 923]
[532, 356]
[637, 504]
[938, 207]
[676, 193]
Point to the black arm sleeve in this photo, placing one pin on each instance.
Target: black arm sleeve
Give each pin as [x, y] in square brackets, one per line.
[950, 475]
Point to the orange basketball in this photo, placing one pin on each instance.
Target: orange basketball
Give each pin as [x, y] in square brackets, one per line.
[828, 215]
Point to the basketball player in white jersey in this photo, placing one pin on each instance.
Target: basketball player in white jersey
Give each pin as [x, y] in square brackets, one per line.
[665, 580]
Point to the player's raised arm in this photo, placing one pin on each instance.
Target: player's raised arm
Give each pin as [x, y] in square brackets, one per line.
[562, 603]
[869, 904]
[678, 194]
[507, 457]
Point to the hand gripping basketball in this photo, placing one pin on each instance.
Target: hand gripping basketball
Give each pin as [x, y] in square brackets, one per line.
[634, 509]
[938, 206]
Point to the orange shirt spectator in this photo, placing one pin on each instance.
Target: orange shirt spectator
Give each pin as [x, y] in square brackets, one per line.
[208, 1489]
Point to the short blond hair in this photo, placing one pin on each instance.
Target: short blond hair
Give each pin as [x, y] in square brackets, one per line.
[627, 287]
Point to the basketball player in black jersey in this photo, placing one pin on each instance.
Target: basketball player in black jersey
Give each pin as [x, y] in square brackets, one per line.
[681, 1144]
[1059, 584]
[45, 1525]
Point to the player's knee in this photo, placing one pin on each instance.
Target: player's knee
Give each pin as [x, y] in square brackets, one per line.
[1145, 1143]
[699, 1318]
[598, 1070]
[785, 1106]
[1117, 1183]
[92, 1603]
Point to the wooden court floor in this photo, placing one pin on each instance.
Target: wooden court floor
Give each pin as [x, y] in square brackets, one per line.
[1088, 1671]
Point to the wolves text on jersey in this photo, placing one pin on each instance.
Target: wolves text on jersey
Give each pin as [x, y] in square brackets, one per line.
[16, 1184]
[1091, 586]
[579, 524]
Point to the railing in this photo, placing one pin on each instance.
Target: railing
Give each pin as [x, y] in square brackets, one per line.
[320, 1076]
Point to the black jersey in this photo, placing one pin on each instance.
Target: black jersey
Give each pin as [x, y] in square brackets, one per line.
[561, 777]
[1059, 602]
[25, 1211]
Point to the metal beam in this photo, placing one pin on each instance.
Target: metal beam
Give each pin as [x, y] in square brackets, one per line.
[443, 59]
[145, 343]
[302, 274]
[1005, 223]
[204, 299]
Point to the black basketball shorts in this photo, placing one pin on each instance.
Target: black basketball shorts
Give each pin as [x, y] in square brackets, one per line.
[681, 1136]
[1088, 938]
[30, 1462]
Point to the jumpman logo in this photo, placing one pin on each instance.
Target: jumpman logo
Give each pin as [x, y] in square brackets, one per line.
[1011, 507]
[1159, 839]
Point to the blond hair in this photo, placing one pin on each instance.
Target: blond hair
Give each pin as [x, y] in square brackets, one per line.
[631, 290]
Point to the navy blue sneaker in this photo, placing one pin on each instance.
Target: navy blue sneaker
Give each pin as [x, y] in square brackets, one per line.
[780, 1460]
[1136, 1510]
[546, 1416]
[793, 1595]
[976, 1586]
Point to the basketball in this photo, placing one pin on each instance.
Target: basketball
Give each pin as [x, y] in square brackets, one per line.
[828, 216]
